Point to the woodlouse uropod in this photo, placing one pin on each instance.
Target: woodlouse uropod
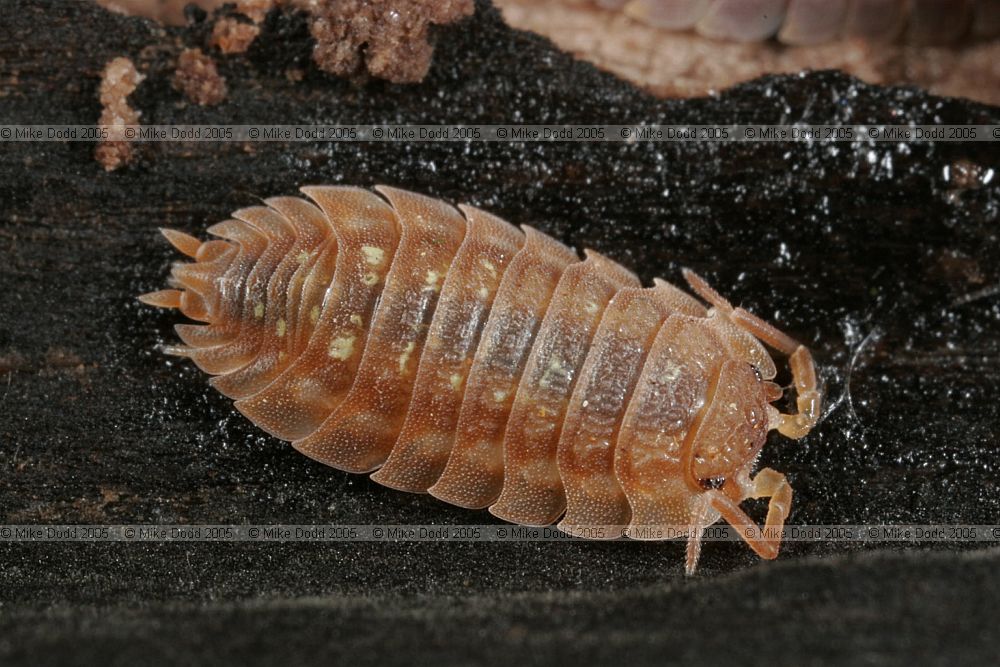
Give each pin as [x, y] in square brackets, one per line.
[454, 354]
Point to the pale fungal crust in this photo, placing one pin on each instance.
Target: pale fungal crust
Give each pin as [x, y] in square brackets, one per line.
[232, 36]
[490, 366]
[118, 81]
[388, 39]
[198, 78]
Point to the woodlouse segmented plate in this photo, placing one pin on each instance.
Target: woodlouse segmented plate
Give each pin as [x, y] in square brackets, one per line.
[451, 353]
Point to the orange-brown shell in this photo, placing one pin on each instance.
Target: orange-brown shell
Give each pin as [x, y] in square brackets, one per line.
[451, 353]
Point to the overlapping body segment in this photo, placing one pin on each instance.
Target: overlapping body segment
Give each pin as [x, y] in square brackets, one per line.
[301, 398]
[282, 306]
[533, 490]
[467, 297]
[586, 450]
[451, 353]
[360, 432]
[473, 476]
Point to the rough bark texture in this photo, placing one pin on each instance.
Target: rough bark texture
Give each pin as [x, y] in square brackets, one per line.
[865, 252]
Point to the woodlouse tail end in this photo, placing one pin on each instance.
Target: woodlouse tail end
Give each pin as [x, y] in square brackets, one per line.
[164, 298]
[197, 277]
[185, 243]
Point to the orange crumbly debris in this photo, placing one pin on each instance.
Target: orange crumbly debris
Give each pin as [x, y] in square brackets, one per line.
[387, 37]
[255, 9]
[232, 36]
[118, 81]
[199, 79]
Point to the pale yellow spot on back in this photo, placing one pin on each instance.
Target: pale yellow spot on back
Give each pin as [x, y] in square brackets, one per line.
[432, 280]
[370, 278]
[303, 257]
[356, 319]
[499, 395]
[490, 266]
[670, 373]
[555, 370]
[342, 347]
[374, 255]
[456, 381]
[405, 356]
[314, 314]
[258, 310]
[591, 307]
[483, 292]
[280, 328]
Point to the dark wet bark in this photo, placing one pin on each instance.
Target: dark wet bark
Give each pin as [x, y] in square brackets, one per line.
[864, 252]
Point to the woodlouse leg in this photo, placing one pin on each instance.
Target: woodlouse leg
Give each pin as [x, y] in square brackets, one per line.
[808, 397]
[698, 523]
[768, 483]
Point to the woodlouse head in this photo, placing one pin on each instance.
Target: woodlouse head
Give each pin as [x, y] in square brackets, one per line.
[735, 424]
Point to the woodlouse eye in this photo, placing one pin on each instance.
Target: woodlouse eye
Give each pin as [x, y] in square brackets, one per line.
[712, 483]
[756, 372]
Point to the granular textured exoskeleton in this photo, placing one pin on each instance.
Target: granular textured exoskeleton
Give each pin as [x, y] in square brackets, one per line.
[808, 22]
[453, 354]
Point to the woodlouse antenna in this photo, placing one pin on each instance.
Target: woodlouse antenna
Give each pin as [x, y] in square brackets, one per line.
[808, 400]
[800, 361]
[705, 291]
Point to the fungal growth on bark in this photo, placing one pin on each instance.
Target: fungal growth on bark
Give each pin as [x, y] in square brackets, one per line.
[389, 39]
[198, 78]
[230, 35]
[119, 79]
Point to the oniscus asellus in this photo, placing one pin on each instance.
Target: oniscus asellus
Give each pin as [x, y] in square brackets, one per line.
[453, 354]
[809, 22]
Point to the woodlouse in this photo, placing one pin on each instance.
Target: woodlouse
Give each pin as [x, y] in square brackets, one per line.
[454, 354]
[808, 22]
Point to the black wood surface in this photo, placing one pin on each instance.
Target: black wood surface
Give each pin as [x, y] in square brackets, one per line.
[869, 253]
